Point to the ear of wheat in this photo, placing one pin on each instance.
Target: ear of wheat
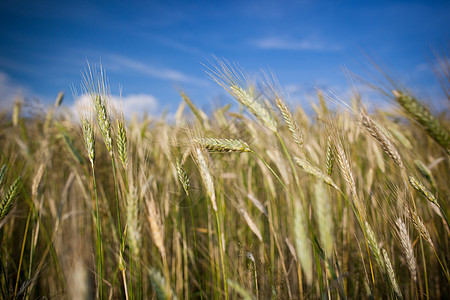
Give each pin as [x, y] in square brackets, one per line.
[407, 248]
[422, 115]
[223, 145]
[9, 198]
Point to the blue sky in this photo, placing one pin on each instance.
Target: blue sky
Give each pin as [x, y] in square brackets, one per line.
[154, 48]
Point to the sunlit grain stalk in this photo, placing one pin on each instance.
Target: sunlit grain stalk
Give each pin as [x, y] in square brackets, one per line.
[360, 209]
[247, 149]
[185, 182]
[207, 179]
[89, 141]
[157, 230]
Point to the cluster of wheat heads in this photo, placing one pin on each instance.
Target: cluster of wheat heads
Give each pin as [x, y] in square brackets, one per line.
[268, 203]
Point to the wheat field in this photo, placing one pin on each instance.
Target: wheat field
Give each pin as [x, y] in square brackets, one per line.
[263, 202]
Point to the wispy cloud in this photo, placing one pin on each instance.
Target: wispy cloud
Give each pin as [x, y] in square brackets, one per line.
[288, 43]
[133, 104]
[156, 72]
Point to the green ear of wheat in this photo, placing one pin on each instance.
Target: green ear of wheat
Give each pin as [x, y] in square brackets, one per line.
[8, 200]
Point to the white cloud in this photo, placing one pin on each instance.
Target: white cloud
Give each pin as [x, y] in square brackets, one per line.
[131, 105]
[8, 91]
[287, 43]
[161, 73]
